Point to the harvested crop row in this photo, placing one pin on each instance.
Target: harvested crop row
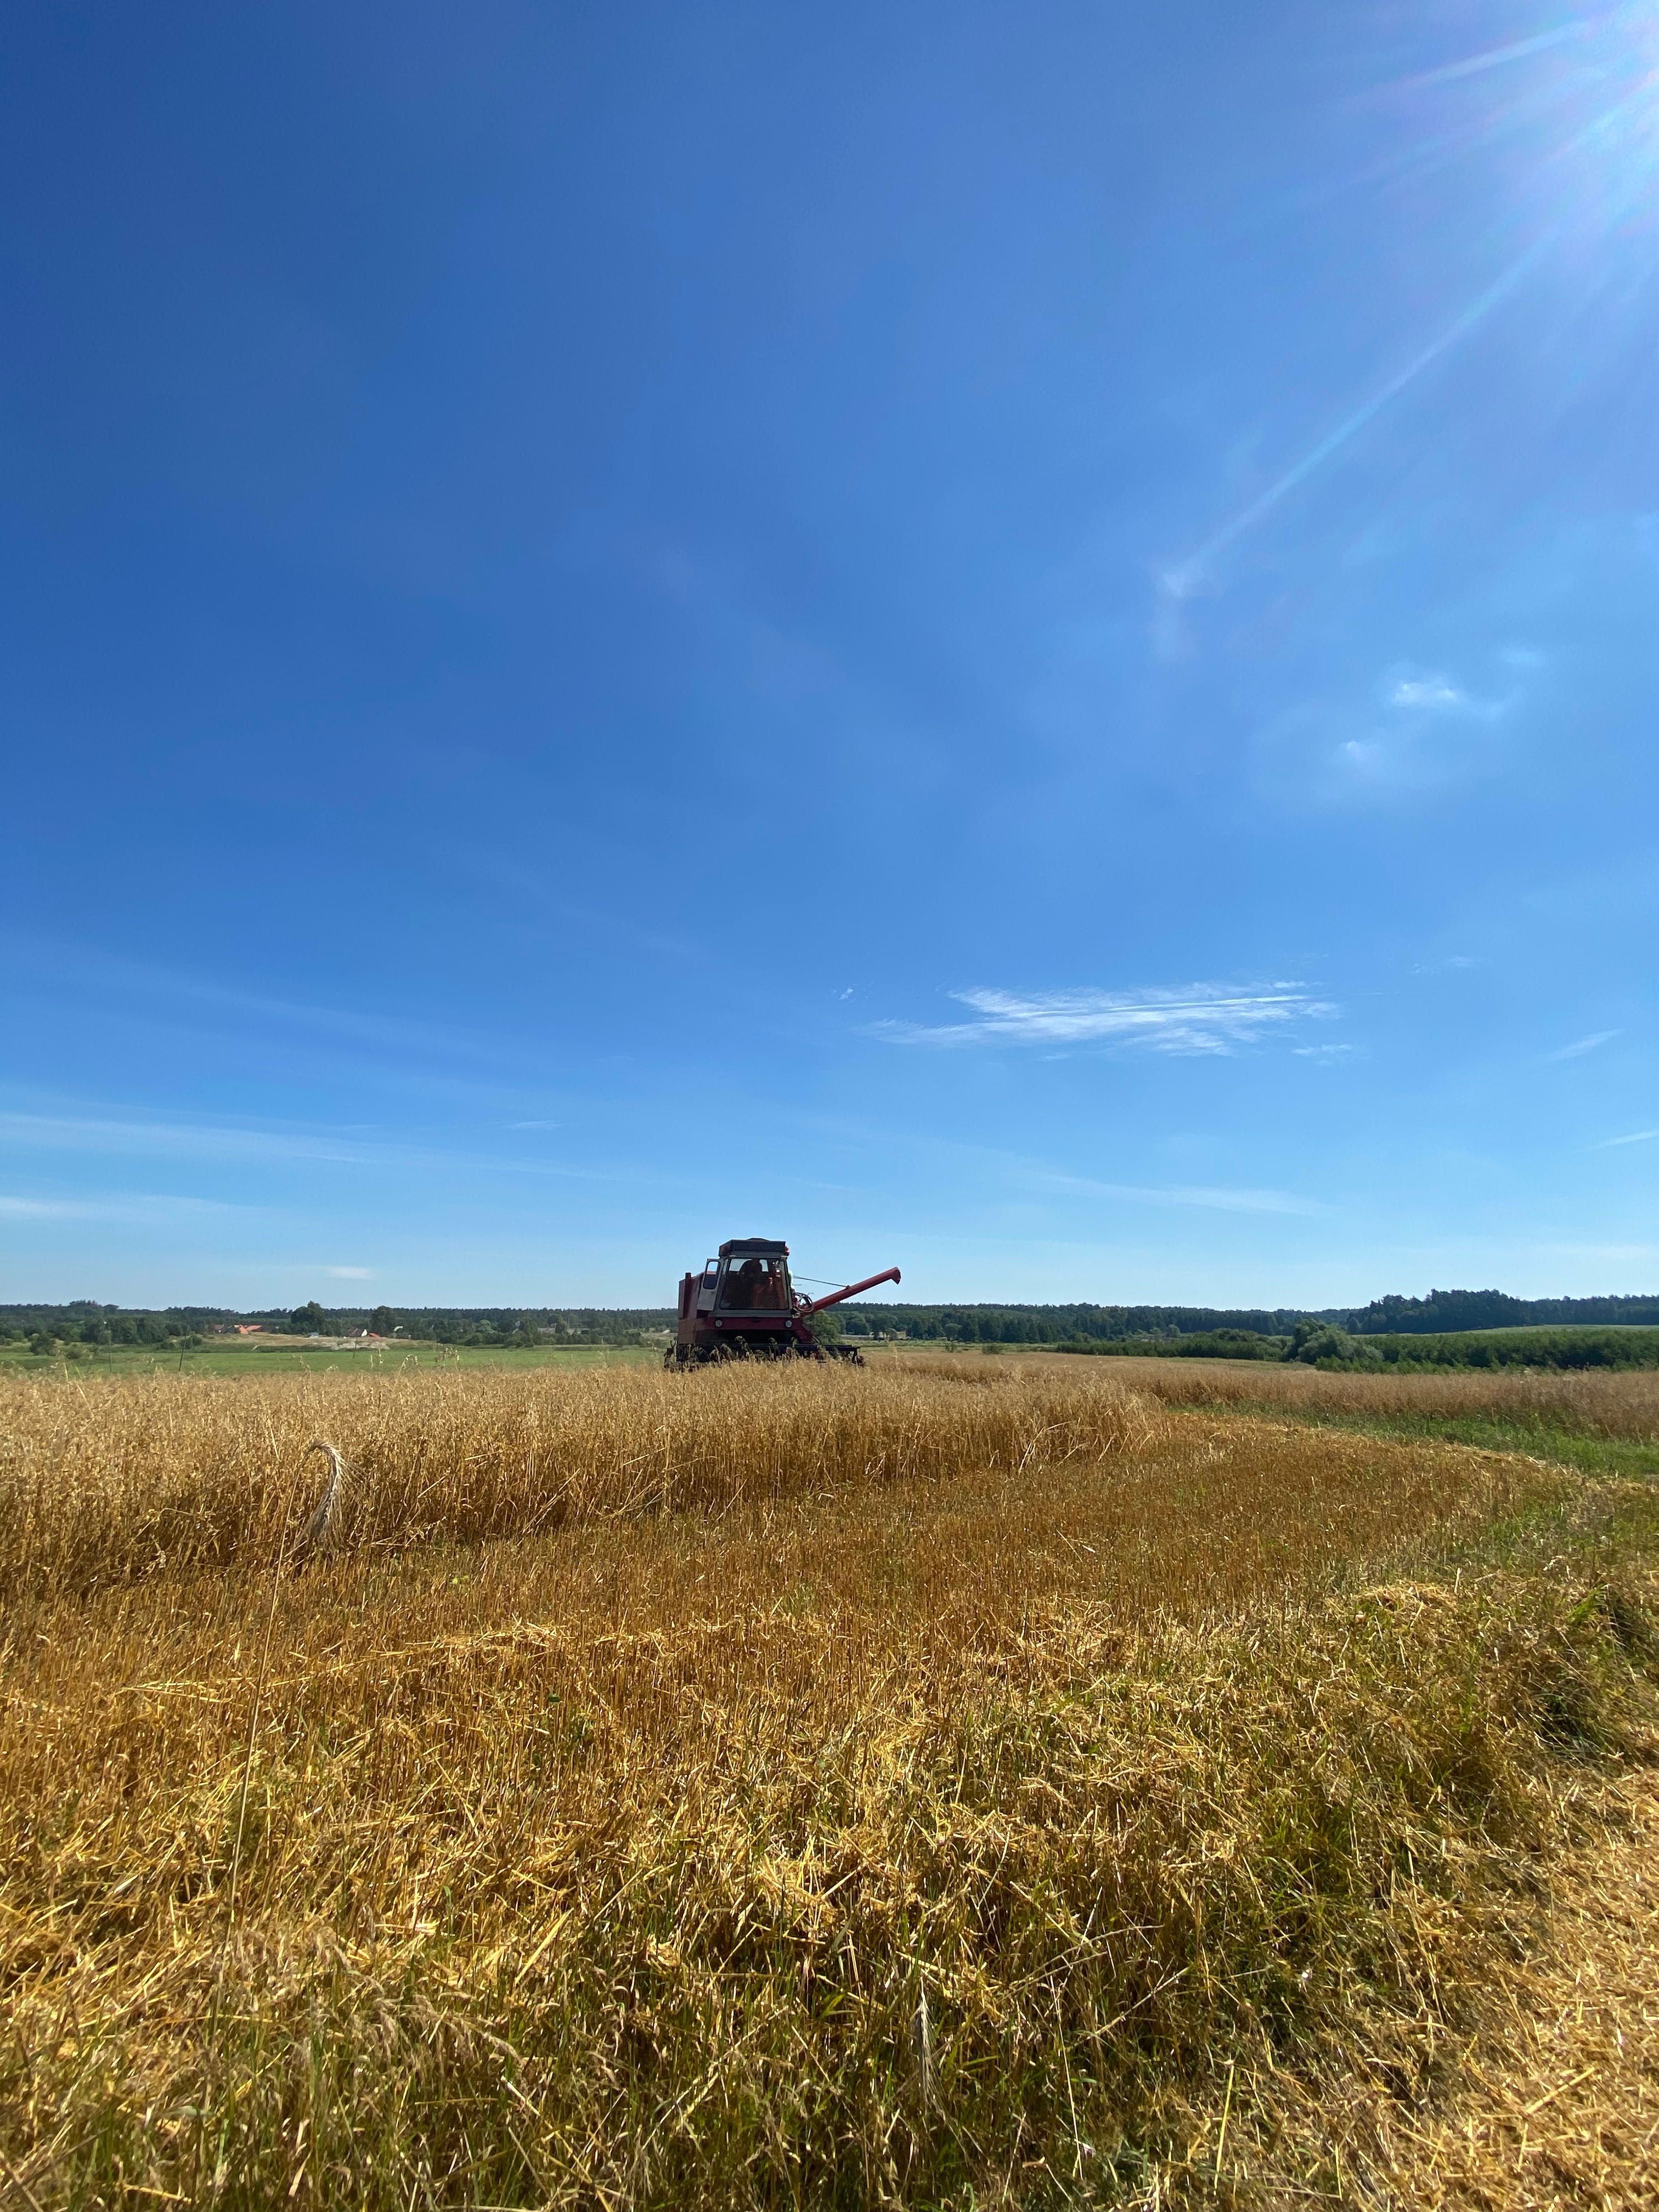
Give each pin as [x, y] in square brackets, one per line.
[499, 1945]
[1000, 1779]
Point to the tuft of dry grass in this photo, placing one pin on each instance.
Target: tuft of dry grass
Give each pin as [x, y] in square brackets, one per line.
[977, 1790]
[1562, 2105]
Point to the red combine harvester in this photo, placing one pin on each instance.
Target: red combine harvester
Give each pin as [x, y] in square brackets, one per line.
[743, 1306]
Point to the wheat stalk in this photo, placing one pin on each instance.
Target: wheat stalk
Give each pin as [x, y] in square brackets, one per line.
[317, 1532]
[320, 1528]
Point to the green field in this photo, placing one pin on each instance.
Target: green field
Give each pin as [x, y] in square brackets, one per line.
[1558, 1439]
[1600, 1420]
[245, 1357]
[1611, 1344]
[1569, 1346]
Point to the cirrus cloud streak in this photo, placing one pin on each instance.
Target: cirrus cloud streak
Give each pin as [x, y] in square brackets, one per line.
[1193, 1017]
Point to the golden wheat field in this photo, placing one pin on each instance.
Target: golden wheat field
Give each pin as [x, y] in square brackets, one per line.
[1604, 1402]
[1614, 1403]
[922, 1786]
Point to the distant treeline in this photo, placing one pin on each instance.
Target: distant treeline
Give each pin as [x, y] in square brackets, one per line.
[1193, 1332]
[1324, 1344]
[1570, 1345]
[1205, 1344]
[1060, 1324]
[1445, 1310]
[83, 1320]
[473, 1324]
[1440, 1311]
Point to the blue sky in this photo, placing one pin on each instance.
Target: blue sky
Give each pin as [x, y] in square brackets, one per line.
[1021, 641]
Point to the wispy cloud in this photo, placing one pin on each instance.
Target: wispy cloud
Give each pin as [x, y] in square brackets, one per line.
[181, 1140]
[1577, 1050]
[1194, 1017]
[349, 1274]
[144, 1208]
[1421, 730]
[1218, 1198]
[1436, 694]
[1025, 1177]
[247, 1144]
[133, 984]
[46, 1209]
[1636, 1137]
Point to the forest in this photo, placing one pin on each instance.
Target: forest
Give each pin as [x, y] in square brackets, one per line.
[1254, 1332]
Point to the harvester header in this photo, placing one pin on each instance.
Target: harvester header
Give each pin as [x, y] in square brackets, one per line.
[742, 1305]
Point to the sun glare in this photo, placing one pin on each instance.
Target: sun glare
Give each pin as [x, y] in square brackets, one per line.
[1575, 109]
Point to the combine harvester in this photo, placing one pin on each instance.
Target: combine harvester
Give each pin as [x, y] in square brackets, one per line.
[744, 1306]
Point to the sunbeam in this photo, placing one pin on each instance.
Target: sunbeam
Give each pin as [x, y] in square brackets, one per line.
[1576, 132]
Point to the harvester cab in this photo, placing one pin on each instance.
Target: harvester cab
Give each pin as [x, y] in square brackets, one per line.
[742, 1305]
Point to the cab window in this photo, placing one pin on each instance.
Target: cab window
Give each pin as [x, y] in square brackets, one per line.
[755, 1285]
